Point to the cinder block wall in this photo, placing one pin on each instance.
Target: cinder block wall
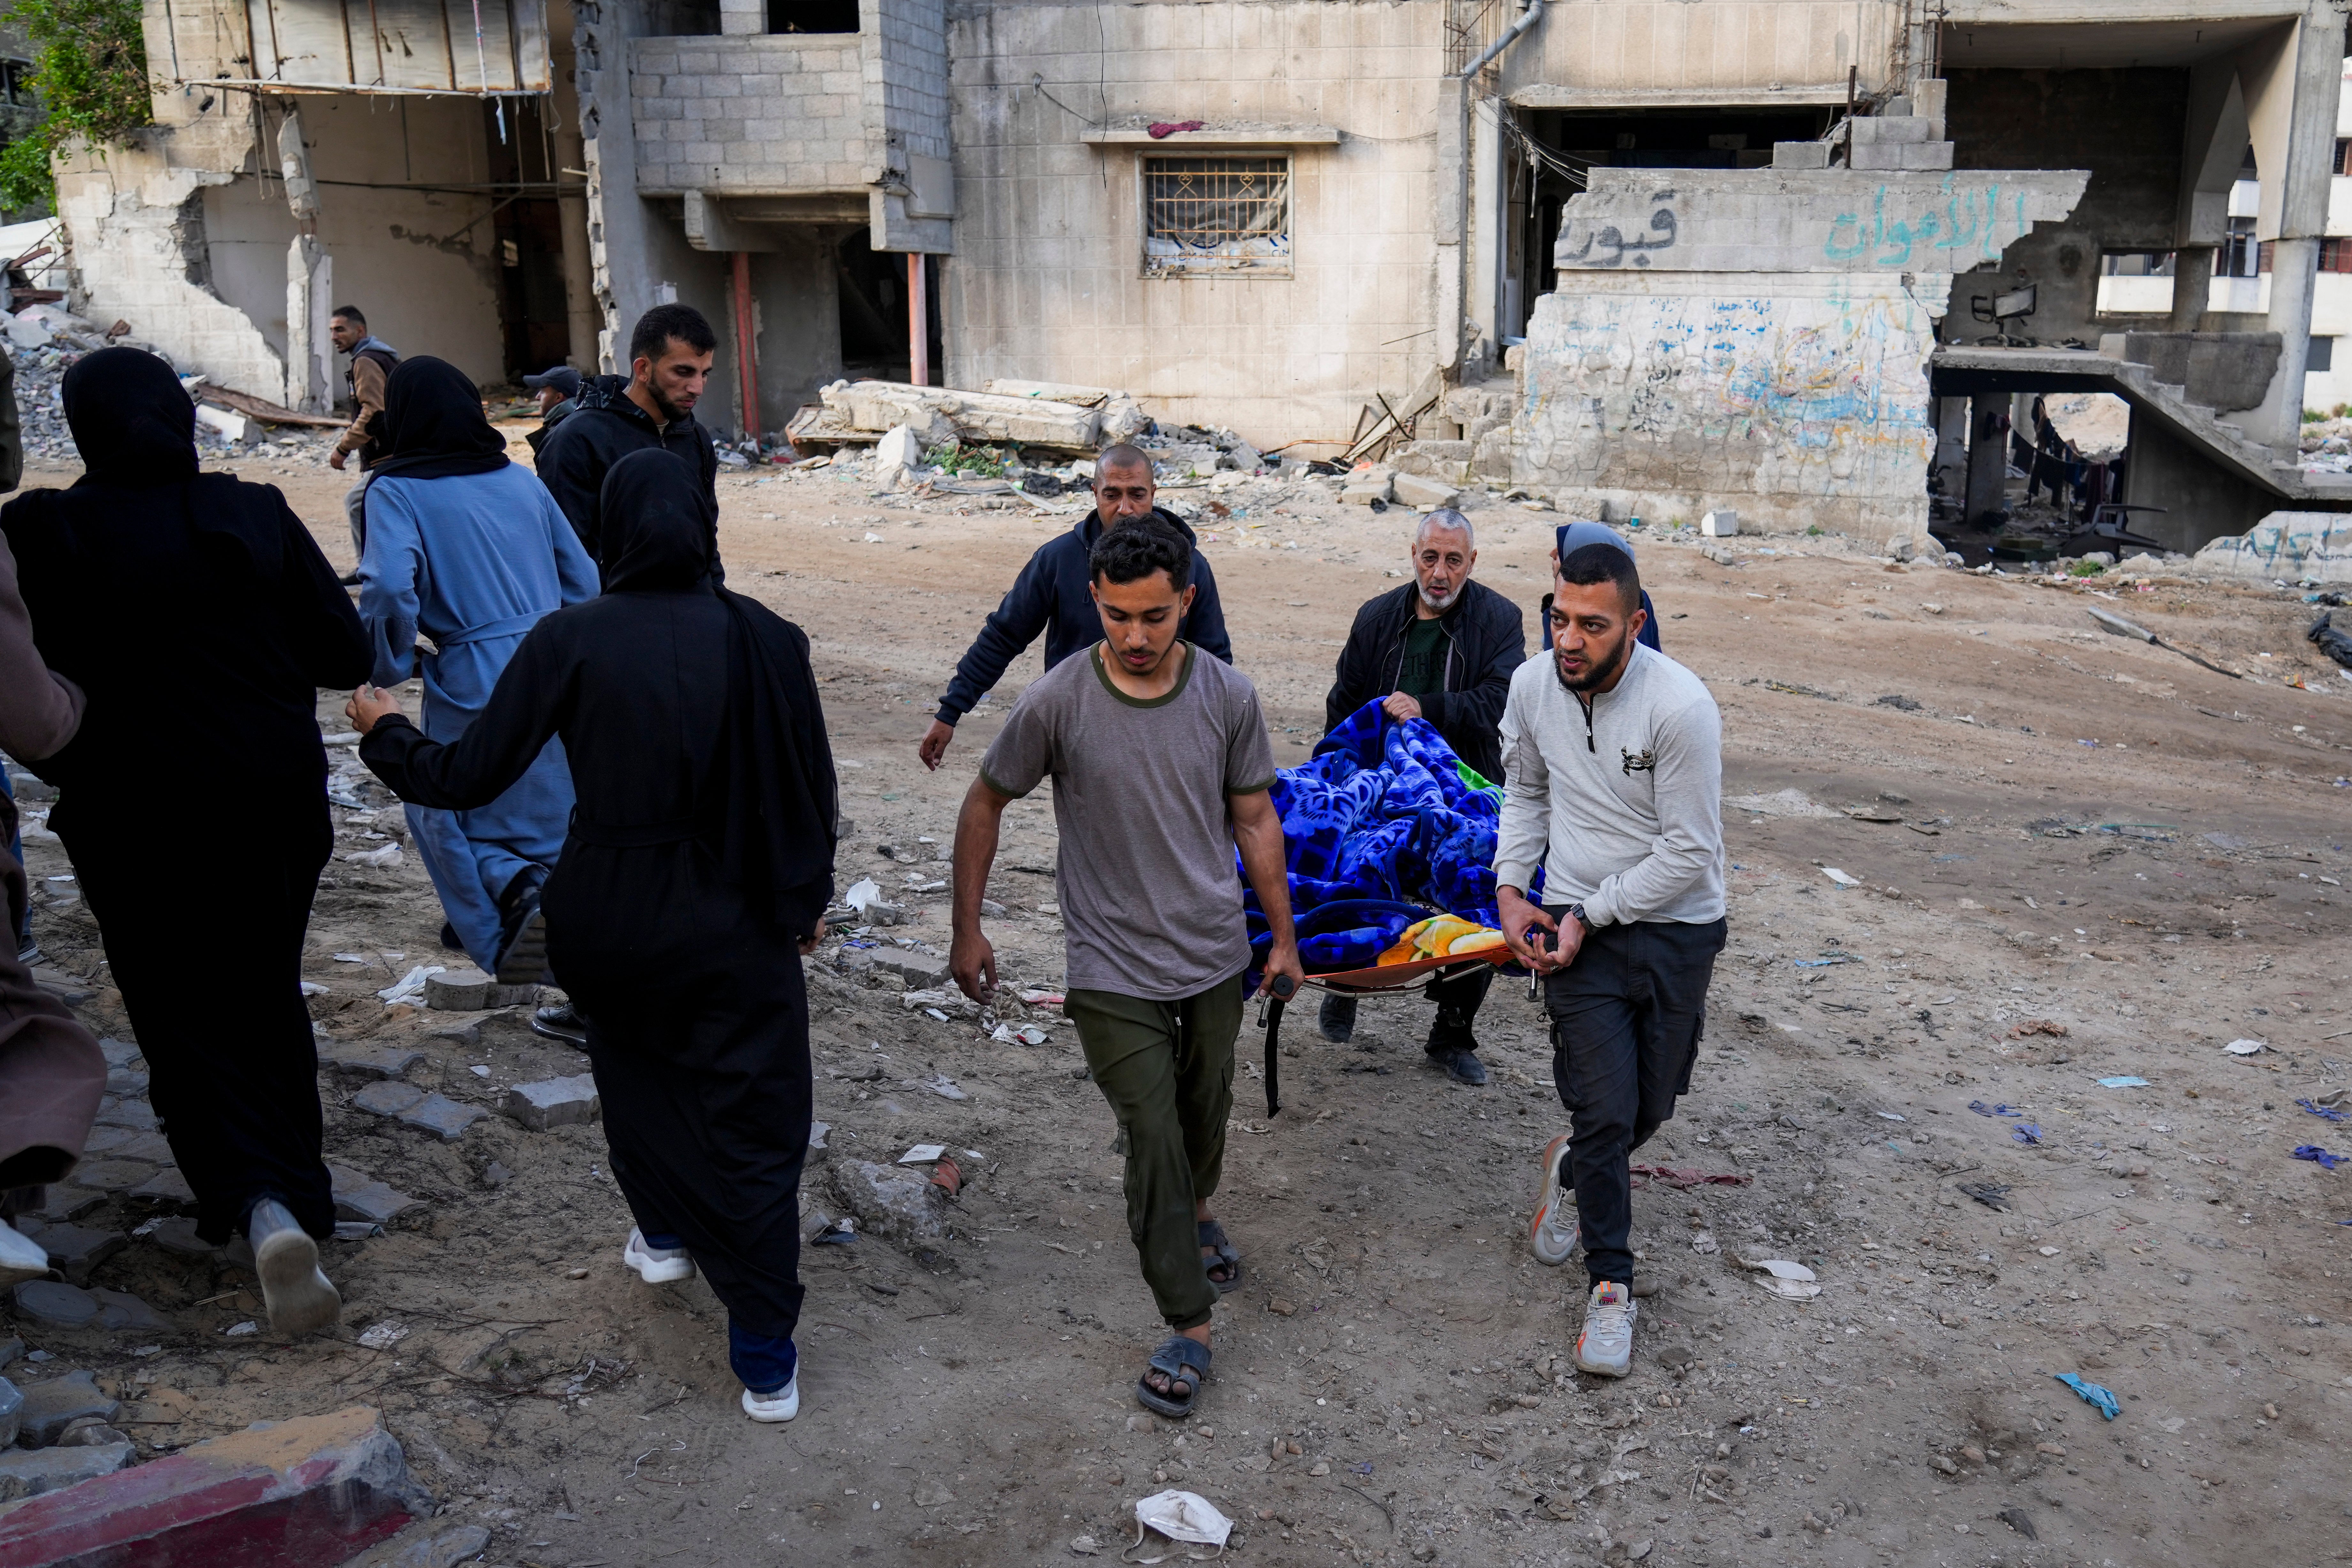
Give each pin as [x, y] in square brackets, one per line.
[1047, 282]
[769, 114]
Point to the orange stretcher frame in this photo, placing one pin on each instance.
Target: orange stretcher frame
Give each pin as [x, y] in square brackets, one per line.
[1359, 981]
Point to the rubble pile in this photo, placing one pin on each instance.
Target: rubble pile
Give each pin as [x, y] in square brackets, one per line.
[2328, 445]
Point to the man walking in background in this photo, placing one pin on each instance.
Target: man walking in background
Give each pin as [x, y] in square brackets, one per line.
[1442, 648]
[1054, 595]
[1614, 761]
[613, 415]
[1161, 769]
[373, 362]
[556, 390]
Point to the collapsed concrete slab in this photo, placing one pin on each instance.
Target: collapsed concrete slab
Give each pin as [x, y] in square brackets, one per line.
[881, 406]
[2285, 547]
[1757, 340]
[284, 1494]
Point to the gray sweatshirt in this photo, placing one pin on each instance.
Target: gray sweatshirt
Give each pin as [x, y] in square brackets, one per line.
[1622, 808]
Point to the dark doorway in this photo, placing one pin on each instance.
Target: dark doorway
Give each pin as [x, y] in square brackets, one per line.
[873, 287]
[812, 15]
[527, 237]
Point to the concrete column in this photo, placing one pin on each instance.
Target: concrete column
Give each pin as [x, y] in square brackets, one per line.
[2192, 286]
[1452, 199]
[918, 319]
[2293, 91]
[1485, 214]
[1988, 460]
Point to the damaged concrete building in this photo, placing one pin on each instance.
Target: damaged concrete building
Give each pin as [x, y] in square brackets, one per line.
[1650, 257]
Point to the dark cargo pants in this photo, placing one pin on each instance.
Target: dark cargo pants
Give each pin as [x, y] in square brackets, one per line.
[1626, 1018]
[1167, 1070]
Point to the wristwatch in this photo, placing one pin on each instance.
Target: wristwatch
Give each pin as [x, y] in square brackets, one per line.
[1582, 917]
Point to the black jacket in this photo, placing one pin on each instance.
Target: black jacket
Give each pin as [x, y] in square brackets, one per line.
[1486, 641]
[547, 424]
[1050, 596]
[604, 427]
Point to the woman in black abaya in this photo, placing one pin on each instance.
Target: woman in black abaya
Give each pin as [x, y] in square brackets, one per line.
[697, 871]
[200, 619]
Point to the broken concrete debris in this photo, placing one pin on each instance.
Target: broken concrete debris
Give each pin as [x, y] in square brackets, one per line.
[444, 1118]
[553, 1102]
[469, 989]
[27, 1473]
[284, 1494]
[51, 1407]
[901, 1205]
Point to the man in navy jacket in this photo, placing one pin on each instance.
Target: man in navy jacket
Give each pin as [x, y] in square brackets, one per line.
[1054, 595]
[1441, 648]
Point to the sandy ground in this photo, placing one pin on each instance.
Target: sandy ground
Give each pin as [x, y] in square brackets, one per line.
[2043, 912]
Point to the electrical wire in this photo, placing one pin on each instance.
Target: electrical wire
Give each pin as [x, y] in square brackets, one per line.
[1568, 167]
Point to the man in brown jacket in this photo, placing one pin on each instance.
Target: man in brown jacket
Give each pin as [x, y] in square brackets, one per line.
[373, 360]
[51, 1071]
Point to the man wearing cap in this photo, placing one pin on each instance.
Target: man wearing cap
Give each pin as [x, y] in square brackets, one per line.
[557, 388]
[1441, 648]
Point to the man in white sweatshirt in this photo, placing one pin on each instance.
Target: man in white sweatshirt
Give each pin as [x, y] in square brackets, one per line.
[1612, 757]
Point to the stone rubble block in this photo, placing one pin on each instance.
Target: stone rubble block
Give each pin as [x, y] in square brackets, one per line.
[117, 1053]
[301, 1493]
[890, 1201]
[135, 1114]
[1800, 154]
[445, 1117]
[390, 1098]
[126, 1313]
[61, 1306]
[553, 1102]
[1366, 486]
[361, 1198]
[1420, 490]
[34, 1473]
[426, 1545]
[469, 989]
[52, 1406]
[165, 1187]
[74, 1250]
[112, 1175]
[12, 1411]
[369, 1061]
[919, 971]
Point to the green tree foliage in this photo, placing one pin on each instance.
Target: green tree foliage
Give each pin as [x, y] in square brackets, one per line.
[90, 71]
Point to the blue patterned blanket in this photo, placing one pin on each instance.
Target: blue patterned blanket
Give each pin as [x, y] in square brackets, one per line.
[1382, 827]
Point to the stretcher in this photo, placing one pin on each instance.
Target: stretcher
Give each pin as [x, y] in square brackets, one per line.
[1357, 983]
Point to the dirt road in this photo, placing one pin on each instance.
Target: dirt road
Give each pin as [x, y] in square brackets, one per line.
[2099, 861]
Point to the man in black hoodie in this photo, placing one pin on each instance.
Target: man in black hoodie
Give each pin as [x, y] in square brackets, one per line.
[1441, 648]
[613, 415]
[1055, 595]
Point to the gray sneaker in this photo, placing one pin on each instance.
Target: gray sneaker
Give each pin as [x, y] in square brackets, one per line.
[1553, 1239]
[1605, 1348]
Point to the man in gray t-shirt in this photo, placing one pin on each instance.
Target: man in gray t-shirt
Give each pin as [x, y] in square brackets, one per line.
[1160, 767]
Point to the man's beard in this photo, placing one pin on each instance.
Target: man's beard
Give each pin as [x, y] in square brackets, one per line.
[670, 411]
[1440, 602]
[1596, 674]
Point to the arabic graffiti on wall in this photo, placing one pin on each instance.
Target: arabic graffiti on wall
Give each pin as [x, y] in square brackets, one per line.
[1605, 246]
[1967, 224]
[1794, 399]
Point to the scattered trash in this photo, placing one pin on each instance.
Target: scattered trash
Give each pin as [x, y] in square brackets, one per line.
[410, 988]
[2098, 1399]
[862, 893]
[1042, 998]
[817, 1133]
[1889, 1116]
[2124, 1080]
[385, 1335]
[840, 1233]
[2319, 1156]
[948, 1177]
[2018, 1521]
[1825, 963]
[2245, 1047]
[922, 1154]
[1981, 1109]
[1179, 1516]
[1025, 1035]
[1839, 878]
[1791, 1280]
[2036, 1027]
[945, 1088]
[1703, 1242]
[1992, 1195]
[382, 860]
[2329, 1111]
[237, 1330]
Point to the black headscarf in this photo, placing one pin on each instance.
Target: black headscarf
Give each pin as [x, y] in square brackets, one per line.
[769, 805]
[132, 418]
[433, 426]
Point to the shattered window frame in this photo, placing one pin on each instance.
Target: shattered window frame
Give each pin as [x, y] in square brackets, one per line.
[1215, 214]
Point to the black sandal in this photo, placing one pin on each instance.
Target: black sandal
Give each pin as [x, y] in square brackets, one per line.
[1186, 1363]
[1228, 1259]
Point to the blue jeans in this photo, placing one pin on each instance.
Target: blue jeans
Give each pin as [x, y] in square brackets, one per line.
[1626, 1018]
[17, 849]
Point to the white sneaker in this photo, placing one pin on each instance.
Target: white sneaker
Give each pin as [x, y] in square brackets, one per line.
[1605, 1348]
[656, 1264]
[1554, 1237]
[781, 1406]
[21, 1257]
[296, 1290]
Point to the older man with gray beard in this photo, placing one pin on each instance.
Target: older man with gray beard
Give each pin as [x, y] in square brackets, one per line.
[1442, 648]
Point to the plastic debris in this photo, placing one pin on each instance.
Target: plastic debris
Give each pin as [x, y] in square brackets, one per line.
[1890, 1116]
[2124, 1081]
[410, 988]
[385, 1335]
[1042, 998]
[1981, 1109]
[2332, 1112]
[2098, 1398]
[2245, 1047]
[1690, 1176]
[1792, 1280]
[922, 1154]
[1992, 1195]
[1839, 878]
[2026, 1132]
[2319, 1156]
[237, 1330]
[1025, 1035]
[1180, 1516]
[840, 1233]
[862, 893]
